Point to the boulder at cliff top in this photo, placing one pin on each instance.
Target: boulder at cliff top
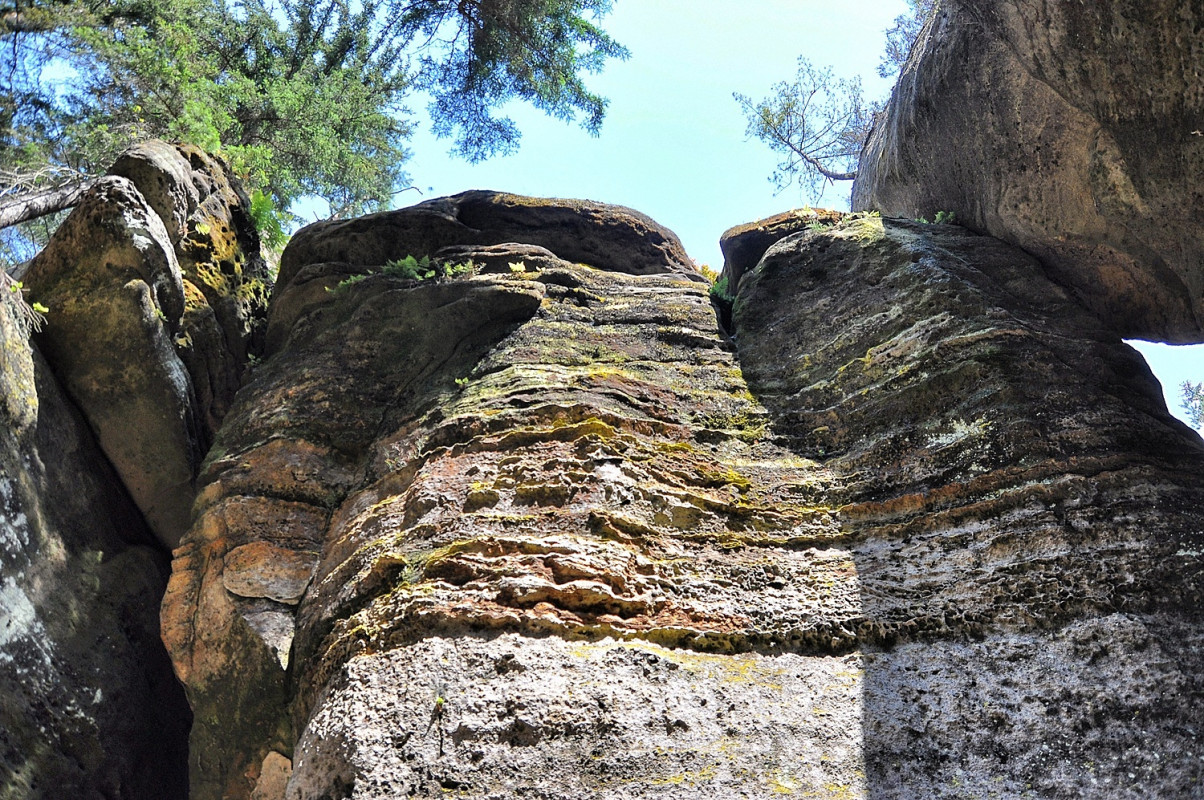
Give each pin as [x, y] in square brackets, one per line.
[226, 280]
[1069, 129]
[116, 296]
[743, 245]
[88, 705]
[600, 235]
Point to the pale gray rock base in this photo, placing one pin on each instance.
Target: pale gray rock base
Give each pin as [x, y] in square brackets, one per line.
[1103, 708]
[548, 718]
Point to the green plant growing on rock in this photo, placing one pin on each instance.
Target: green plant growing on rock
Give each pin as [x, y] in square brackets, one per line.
[721, 294]
[348, 282]
[31, 314]
[817, 123]
[945, 218]
[462, 270]
[410, 268]
[416, 269]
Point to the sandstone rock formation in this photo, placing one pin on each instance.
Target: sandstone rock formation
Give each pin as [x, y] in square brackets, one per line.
[921, 527]
[1024, 516]
[530, 534]
[156, 291]
[604, 236]
[743, 245]
[156, 294]
[1070, 129]
[88, 703]
[226, 281]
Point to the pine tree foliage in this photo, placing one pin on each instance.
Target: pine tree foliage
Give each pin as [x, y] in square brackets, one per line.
[818, 122]
[303, 97]
[1193, 403]
[903, 34]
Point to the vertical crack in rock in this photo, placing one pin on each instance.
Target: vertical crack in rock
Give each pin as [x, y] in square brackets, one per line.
[90, 706]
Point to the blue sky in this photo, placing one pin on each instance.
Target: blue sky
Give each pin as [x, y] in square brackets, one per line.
[673, 145]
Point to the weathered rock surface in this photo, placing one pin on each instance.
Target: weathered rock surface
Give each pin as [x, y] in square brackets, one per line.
[150, 324]
[226, 281]
[1025, 522]
[743, 245]
[482, 464]
[550, 545]
[89, 707]
[1070, 129]
[116, 296]
[581, 231]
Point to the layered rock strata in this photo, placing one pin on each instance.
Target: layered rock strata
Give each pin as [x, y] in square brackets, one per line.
[1070, 129]
[530, 534]
[581, 231]
[1024, 519]
[520, 496]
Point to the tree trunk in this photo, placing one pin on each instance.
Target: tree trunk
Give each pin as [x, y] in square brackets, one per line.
[40, 204]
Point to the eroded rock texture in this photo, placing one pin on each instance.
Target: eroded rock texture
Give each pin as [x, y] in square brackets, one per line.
[530, 534]
[1023, 518]
[156, 290]
[89, 707]
[1070, 129]
[523, 495]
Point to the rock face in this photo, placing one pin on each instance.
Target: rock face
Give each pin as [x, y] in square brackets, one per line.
[531, 534]
[154, 306]
[226, 281]
[88, 703]
[156, 296]
[743, 245]
[1070, 129]
[1022, 517]
[557, 477]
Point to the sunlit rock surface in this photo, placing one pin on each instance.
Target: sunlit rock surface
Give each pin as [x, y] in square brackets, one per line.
[580, 231]
[1072, 130]
[532, 534]
[156, 290]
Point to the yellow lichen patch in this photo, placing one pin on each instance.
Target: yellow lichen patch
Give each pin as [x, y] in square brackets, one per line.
[865, 230]
[745, 669]
[833, 791]
[728, 477]
[704, 775]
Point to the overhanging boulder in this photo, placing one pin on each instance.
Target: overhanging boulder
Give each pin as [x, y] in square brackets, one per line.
[1073, 130]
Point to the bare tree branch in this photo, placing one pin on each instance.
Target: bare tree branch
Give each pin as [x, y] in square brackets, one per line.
[32, 206]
